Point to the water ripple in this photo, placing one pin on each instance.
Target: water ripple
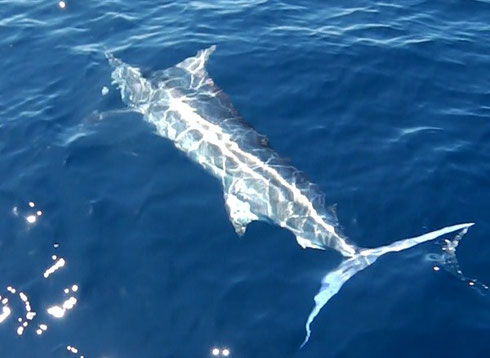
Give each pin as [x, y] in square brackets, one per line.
[384, 105]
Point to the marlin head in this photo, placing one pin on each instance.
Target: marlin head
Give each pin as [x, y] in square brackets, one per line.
[135, 89]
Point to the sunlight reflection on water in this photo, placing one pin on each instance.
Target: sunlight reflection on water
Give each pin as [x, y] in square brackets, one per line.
[13, 295]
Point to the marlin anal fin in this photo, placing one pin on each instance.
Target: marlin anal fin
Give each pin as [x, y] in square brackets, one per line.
[239, 213]
[305, 243]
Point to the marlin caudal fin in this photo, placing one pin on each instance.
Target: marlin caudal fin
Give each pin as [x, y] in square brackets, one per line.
[334, 280]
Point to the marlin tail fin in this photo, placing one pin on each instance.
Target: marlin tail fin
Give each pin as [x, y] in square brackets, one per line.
[334, 280]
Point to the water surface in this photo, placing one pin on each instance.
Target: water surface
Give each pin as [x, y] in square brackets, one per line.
[385, 106]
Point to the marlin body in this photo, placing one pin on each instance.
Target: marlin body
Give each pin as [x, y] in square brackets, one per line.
[185, 106]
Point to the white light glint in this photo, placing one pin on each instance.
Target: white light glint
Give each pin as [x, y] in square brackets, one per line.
[31, 219]
[39, 213]
[20, 330]
[215, 352]
[5, 313]
[74, 288]
[23, 296]
[436, 268]
[43, 326]
[58, 264]
[62, 4]
[72, 349]
[30, 315]
[39, 332]
[31, 204]
[225, 352]
[58, 312]
[70, 303]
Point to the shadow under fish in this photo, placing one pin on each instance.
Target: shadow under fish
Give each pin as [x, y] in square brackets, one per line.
[184, 105]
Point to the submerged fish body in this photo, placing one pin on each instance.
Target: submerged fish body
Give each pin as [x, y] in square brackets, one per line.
[185, 106]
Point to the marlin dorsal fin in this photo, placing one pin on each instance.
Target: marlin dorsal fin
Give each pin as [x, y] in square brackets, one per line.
[196, 65]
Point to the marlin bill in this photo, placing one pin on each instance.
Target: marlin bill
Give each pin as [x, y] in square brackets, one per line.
[185, 106]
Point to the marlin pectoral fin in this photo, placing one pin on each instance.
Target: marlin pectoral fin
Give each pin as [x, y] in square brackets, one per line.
[98, 116]
[239, 213]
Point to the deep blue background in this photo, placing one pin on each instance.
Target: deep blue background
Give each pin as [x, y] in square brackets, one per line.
[386, 105]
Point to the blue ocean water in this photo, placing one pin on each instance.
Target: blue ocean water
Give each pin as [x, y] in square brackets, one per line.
[385, 105]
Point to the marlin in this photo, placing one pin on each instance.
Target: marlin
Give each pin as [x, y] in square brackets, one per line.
[184, 105]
